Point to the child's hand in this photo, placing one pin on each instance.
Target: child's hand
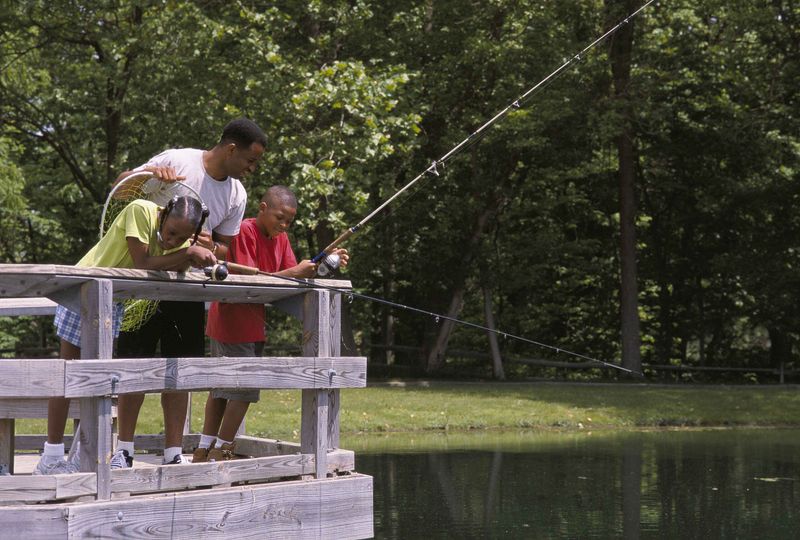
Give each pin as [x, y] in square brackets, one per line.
[344, 257]
[200, 257]
[305, 269]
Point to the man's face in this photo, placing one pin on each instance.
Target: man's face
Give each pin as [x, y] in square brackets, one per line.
[242, 161]
[275, 217]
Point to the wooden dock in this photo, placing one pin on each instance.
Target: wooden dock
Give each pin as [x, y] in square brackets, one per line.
[304, 489]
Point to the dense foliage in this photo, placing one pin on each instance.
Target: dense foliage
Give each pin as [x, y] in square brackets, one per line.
[359, 96]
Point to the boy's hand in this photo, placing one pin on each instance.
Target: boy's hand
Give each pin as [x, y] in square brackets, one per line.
[344, 257]
[305, 269]
[165, 174]
[200, 257]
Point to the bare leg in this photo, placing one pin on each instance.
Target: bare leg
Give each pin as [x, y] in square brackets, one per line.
[174, 405]
[234, 414]
[128, 408]
[58, 408]
[215, 409]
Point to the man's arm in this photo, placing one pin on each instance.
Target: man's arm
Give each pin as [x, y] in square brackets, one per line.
[165, 174]
[221, 245]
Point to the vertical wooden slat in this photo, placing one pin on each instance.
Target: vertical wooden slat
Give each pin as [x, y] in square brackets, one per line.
[6, 445]
[316, 342]
[97, 340]
[334, 397]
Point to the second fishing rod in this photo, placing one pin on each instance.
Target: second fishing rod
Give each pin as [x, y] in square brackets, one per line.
[328, 261]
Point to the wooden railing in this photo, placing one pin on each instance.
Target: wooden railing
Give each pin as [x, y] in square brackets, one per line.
[94, 379]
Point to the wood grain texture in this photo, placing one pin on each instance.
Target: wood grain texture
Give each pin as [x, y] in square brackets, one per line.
[6, 446]
[31, 378]
[94, 377]
[28, 280]
[33, 522]
[285, 510]
[26, 306]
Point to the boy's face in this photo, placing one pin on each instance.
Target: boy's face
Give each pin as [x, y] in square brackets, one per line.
[175, 231]
[275, 217]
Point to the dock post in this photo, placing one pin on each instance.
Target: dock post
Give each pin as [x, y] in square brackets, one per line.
[97, 342]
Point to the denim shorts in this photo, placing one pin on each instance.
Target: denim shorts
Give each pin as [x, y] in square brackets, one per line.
[68, 323]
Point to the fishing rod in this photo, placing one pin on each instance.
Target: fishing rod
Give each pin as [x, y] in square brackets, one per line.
[328, 260]
[220, 271]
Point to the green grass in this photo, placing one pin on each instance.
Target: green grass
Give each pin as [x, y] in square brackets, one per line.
[493, 406]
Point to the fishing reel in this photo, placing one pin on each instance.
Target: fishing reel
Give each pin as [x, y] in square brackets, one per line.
[328, 266]
[217, 272]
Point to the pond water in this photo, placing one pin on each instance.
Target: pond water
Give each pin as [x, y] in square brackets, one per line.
[666, 484]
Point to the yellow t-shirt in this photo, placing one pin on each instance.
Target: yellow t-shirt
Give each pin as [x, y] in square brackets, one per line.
[137, 220]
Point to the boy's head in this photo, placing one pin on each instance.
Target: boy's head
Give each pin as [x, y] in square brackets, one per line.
[243, 143]
[182, 218]
[276, 211]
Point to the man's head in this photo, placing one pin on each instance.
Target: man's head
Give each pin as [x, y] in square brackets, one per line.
[276, 211]
[242, 143]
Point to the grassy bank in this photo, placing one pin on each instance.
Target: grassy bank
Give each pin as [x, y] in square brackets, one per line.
[474, 406]
[471, 406]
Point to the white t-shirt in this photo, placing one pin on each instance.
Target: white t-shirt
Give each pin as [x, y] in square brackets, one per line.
[226, 200]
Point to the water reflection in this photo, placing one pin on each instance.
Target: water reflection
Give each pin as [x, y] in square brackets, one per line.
[704, 484]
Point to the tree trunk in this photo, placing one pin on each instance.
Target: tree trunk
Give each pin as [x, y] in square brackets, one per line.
[436, 354]
[497, 360]
[620, 56]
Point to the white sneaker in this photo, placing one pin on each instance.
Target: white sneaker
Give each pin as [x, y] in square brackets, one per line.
[177, 460]
[121, 460]
[54, 465]
[75, 457]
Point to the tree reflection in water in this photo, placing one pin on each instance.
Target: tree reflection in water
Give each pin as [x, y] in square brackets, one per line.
[699, 484]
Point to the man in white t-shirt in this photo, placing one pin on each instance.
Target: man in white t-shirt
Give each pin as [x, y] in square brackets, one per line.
[179, 326]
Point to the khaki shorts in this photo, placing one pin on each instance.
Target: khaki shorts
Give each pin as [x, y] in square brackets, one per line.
[252, 349]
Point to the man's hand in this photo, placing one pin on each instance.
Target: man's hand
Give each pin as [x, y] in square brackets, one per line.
[204, 240]
[165, 174]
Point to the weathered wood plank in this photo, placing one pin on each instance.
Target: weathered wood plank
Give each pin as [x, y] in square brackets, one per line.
[94, 377]
[317, 341]
[38, 522]
[171, 478]
[44, 280]
[285, 510]
[47, 488]
[26, 306]
[338, 459]
[36, 377]
[165, 478]
[97, 341]
[31, 408]
[6, 446]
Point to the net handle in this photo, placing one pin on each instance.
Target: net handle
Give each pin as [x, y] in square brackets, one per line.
[111, 196]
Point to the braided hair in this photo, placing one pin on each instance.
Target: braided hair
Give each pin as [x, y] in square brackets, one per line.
[185, 207]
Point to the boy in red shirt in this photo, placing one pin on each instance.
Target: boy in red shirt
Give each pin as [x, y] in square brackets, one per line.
[238, 329]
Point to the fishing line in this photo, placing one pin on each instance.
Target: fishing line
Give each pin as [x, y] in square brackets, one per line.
[213, 271]
[434, 168]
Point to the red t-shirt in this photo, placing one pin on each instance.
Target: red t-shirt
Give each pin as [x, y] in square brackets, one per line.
[244, 323]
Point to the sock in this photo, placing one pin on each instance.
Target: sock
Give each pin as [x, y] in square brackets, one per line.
[206, 440]
[221, 442]
[171, 452]
[125, 445]
[54, 449]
